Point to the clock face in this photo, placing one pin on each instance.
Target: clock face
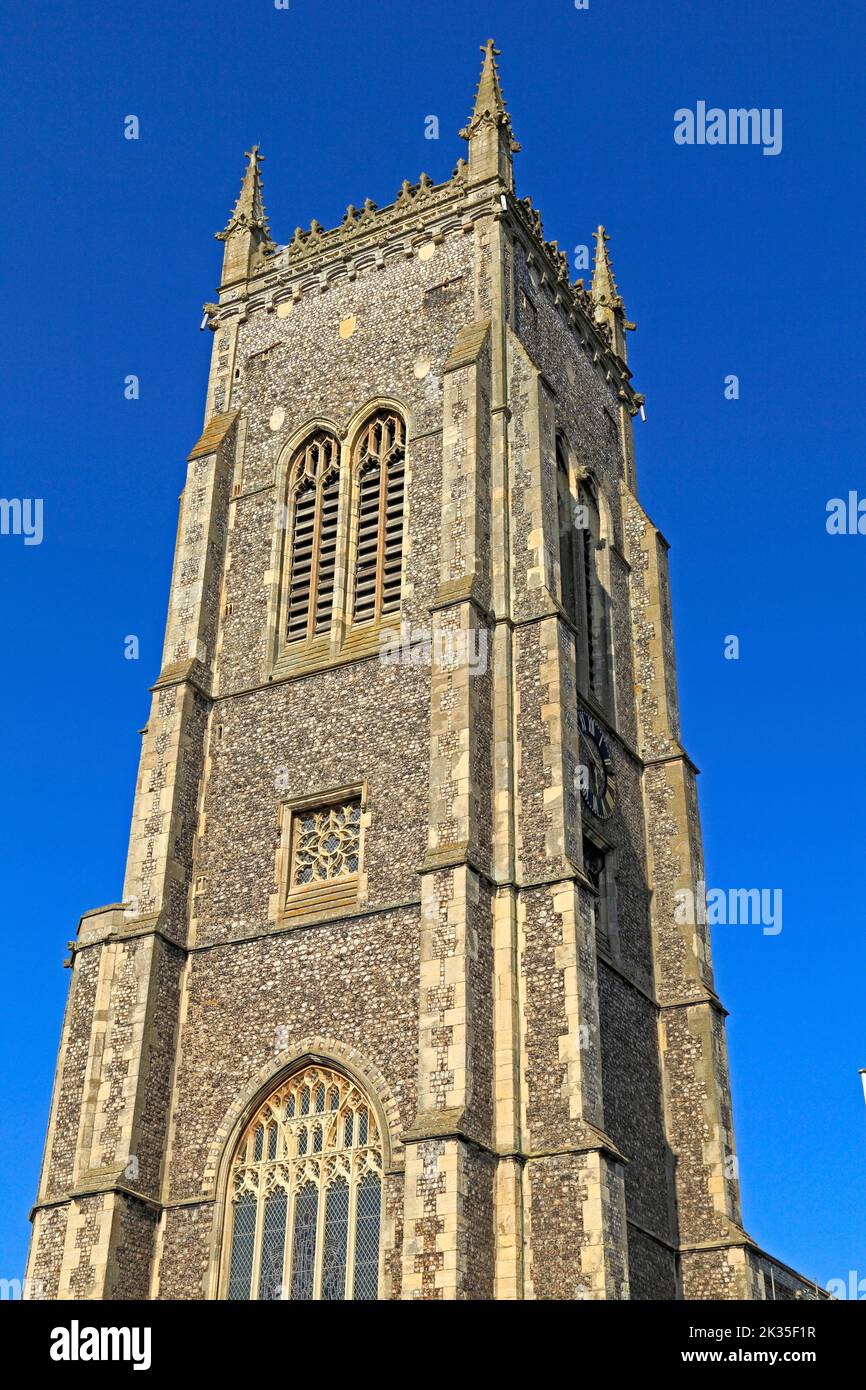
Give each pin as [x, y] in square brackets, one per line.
[599, 788]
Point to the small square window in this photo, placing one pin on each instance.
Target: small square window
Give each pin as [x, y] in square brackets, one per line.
[326, 844]
[321, 852]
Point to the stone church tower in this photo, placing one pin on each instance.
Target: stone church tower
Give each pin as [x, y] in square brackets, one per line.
[402, 999]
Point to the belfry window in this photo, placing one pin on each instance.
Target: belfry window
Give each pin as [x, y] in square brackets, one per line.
[590, 626]
[342, 558]
[305, 1195]
[595, 868]
[380, 466]
[313, 509]
[567, 535]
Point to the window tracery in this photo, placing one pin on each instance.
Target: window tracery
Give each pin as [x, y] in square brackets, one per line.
[305, 1194]
[380, 462]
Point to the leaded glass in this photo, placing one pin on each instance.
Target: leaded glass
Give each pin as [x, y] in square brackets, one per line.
[243, 1246]
[304, 1242]
[273, 1246]
[336, 1241]
[318, 1181]
[367, 1223]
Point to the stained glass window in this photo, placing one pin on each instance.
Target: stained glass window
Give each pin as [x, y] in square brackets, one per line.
[273, 1245]
[367, 1223]
[336, 1241]
[304, 1242]
[305, 1195]
[243, 1246]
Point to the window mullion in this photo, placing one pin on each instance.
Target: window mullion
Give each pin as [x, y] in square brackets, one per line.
[320, 1235]
[290, 1234]
[350, 1232]
[257, 1248]
[315, 1193]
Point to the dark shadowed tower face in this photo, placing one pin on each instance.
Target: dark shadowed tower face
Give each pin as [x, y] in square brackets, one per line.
[402, 1000]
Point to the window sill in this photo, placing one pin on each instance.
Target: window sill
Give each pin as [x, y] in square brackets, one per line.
[359, 643]
[326, 900]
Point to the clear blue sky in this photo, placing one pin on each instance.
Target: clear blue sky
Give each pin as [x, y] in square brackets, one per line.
[729, 261]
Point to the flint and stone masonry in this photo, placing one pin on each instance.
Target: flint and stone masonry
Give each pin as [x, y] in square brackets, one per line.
[544, 1051]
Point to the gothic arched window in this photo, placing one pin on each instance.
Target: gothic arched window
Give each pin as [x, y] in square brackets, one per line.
[313, 507]
[567, 534]
[590, 627]
[305, 1194]
[380, 469]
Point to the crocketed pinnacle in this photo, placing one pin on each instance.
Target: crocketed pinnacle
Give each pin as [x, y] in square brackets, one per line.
[249, 210]
[604, 290]
[489, 103]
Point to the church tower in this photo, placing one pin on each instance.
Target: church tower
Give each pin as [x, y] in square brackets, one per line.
[409, 994]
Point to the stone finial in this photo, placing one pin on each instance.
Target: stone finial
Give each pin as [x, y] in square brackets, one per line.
[249, 210]
[489, 103]
[491, 139]
[246, 235]
[607, 302]
[604, 290]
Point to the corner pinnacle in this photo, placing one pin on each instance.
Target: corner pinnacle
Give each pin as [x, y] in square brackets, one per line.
[604, 290]
[249, 210]
[489, 103]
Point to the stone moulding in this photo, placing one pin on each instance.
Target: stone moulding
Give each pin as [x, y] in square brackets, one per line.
[327, 1052]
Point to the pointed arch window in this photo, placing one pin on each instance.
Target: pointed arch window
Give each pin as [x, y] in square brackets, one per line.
[590, 626]
[305, 1208]
[313, 513]
[567, 533]
[380, 470]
